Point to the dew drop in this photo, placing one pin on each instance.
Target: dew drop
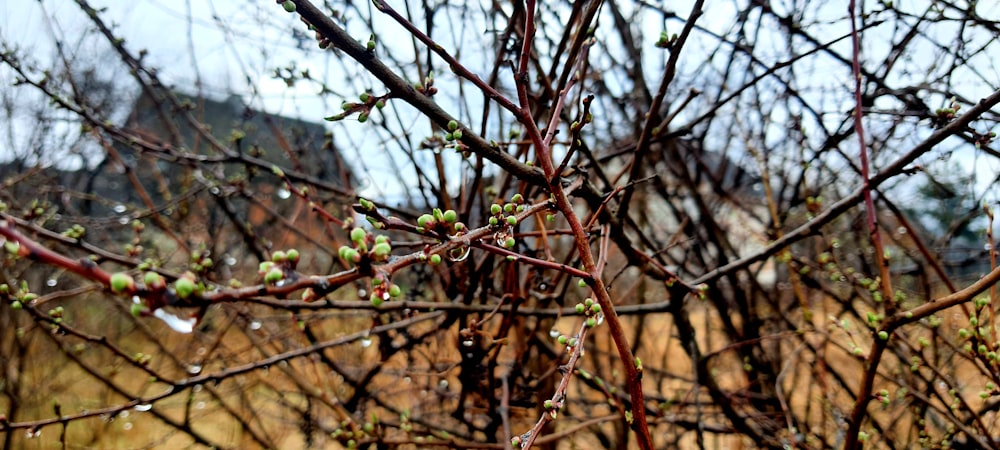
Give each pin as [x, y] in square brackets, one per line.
[987, 247]
[554, 333]
[32, 433]
[255, 325]
[443, 384]
[366, 342]
[467, 343]
[600, 319]
[362, 293]
[123, 220]
[197, 388]
[120, 208]
[501, 236]
[284, 193]
[124, 414]
[901, 230]
[143, 407]
[407, 380]
[199, 405]
[51, 282]
[127, 426]
[214, 190]
[459, 254]
[229, 260]
[194, 369]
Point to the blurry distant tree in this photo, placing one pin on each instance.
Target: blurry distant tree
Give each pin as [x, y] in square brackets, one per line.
[588, 224]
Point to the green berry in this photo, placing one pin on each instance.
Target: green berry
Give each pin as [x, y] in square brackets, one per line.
[121, 283]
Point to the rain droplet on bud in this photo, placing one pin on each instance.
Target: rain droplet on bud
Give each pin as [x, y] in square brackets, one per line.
[458, 254]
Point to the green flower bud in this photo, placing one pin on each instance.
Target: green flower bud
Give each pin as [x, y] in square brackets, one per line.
[494, 221]
[278, 257]
[137, 309]
[508, 208]
[380, 104]
[425, 221]
[580, 308]
[292, 255]
[434, 259]
[495, 209]
[382, 250]
[184, 287]
[376, 300]
[395, 291]
[16, 305]
[122, 283]
[358, 235]
[450, 216]
[452, 125]
[289, 6]
[511, 220]
[363, 117]
[517, 198]
[154, 281]
[509, 243]
[456, 135]
[365, 97]
[274, 275]
[883, 335]
[591, 322]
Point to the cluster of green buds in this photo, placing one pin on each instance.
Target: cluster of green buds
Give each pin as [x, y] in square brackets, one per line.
[16, 297]
[504, 218]
[427, 87]
[349, 431]
[383, 289]
[366, 248]
[363, 107]
[552, 407]
[666, 40]
[201, 262]
[281, 266]
[75, 232]
[592, 310]
[442, 222]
